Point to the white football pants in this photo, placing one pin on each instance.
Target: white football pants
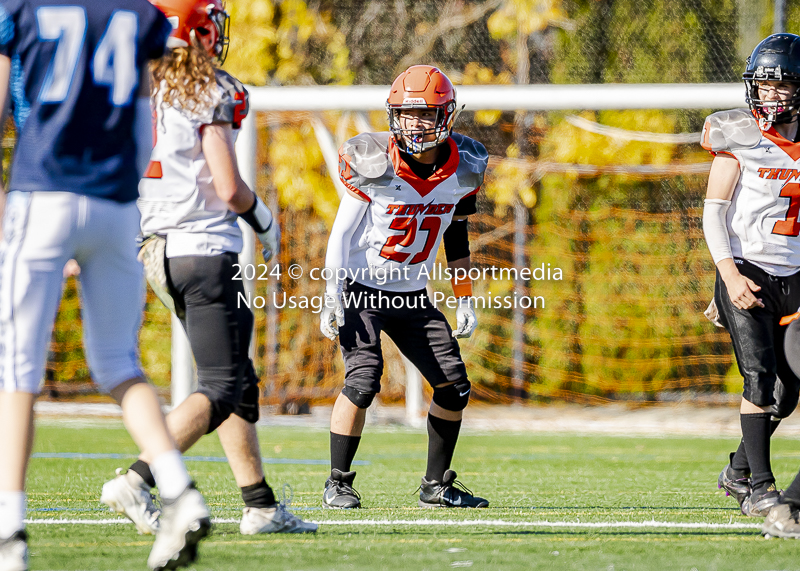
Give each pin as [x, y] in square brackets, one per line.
[41, 232]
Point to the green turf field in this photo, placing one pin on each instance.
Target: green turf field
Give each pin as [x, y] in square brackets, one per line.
[557, 502]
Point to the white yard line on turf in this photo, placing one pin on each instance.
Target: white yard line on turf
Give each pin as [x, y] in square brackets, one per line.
[652, 524]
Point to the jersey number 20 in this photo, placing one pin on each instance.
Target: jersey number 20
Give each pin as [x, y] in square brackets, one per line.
[114, 60]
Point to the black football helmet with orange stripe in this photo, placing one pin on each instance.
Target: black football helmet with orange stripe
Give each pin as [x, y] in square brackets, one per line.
[776, 58]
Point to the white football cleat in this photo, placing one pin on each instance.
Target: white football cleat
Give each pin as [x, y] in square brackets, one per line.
[129, 495]
[273, 520]
[14, 552]
[184, 522]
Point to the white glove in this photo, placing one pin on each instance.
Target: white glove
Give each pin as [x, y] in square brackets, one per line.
[331, 318]
[260, 219]
[466, 320]
[270, 240]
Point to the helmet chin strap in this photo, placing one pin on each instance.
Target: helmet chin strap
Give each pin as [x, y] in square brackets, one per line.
[792, 119]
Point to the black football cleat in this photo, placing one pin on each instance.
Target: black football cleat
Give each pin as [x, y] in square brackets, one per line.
[735, 484]
[339, 492]
[444, 494]
[759, 502]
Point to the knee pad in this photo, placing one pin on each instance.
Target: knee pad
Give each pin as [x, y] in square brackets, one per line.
[785, 400]
[453, 397]
[220, 411]
[247, 410]
[224, 388]
[361, 400]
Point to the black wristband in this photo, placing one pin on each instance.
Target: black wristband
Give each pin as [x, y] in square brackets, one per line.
[251, 218]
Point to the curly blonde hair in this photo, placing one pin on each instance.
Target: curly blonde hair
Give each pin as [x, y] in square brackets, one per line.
[186, 78]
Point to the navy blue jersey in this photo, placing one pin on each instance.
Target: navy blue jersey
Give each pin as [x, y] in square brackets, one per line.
[75, 69]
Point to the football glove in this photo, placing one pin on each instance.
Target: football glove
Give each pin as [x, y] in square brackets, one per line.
[260, 219]
[152, 256]
[331, 318]
[466, 320]
[270, 239]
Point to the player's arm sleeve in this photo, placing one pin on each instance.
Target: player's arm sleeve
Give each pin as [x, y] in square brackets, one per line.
[467, 205]
[456, 237]
[456, 240]
[722, 181]
[715, 228]
[351, 211]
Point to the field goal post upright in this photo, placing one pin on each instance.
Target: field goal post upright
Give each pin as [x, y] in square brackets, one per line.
[541, 97]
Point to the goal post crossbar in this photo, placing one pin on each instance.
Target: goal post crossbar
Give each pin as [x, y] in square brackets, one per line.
[511, 97]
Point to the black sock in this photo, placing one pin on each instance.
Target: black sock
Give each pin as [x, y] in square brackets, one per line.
[791, 495]
[258, 495]
[756, 434]
[442, 438]
[739, 462]
[143, 469]
[343, 450]
[739, 458]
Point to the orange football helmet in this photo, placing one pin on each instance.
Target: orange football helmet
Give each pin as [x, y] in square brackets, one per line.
[421, 87]
[205, 20]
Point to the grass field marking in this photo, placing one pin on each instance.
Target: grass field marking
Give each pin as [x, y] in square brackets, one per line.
[651, 524]
[217, 459]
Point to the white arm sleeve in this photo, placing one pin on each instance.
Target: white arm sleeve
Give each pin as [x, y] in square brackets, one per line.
[351, 211]
[715, 228]
[143, 133]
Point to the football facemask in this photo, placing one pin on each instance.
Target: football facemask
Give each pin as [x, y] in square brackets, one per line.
[771, 110]
[421, 87]
[420, 139]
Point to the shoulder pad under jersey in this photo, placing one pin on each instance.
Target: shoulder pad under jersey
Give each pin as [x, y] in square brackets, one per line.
[730, 130]
[364, 159]
[472, 161]
[234, 102]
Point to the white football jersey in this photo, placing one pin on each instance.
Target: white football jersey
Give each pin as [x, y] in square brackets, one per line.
[395, 245]
[763, 217]
[177, 195]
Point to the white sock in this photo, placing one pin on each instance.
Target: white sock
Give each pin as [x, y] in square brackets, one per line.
[170, 474]
[12, 513]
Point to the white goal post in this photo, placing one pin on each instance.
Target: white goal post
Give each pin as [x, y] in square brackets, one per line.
[474, 97]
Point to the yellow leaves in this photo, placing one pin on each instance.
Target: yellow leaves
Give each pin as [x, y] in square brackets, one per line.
[475, 74]
[298, 171]
[487, 117]
[526, 17]
[508, 180]
[568, 144]
[279, 39]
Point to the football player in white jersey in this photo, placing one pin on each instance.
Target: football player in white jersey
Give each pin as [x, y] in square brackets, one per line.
[408, 190]
[750, 220]
[191, 197]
